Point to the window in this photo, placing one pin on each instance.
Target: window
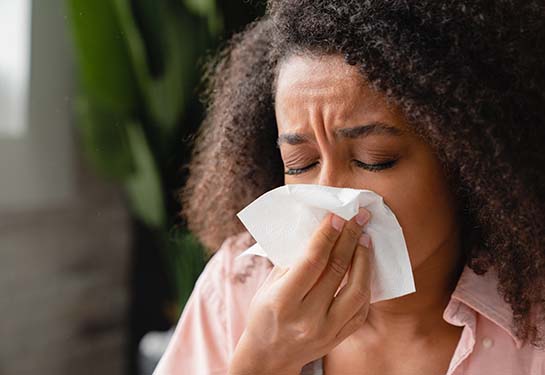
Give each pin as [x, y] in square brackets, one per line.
[14, 66]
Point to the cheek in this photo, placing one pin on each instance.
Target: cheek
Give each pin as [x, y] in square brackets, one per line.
[424, 207]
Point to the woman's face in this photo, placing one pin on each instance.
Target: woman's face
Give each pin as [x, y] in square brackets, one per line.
[335, 130]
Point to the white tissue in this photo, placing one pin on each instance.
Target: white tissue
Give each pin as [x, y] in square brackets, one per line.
[283, 220]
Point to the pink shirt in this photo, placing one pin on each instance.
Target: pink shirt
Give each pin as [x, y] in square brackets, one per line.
[215, 316]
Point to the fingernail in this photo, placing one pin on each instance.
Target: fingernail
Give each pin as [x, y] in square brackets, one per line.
[337, 222]
[362, 217]
[365, 240]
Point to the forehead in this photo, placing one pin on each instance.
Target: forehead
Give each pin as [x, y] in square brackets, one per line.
[330, 86]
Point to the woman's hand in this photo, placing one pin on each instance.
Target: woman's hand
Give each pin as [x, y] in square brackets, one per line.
[295, 317]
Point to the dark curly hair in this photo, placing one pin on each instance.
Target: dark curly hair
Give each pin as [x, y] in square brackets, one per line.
[469, 77]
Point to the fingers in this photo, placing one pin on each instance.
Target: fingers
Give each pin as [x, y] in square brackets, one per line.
[356, 294]
[340, 259]
[303, 274]
[276, 273]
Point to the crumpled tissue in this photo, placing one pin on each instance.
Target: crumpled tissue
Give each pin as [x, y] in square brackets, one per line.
[283, 220]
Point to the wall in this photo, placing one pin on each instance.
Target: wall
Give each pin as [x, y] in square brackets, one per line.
[64, 234]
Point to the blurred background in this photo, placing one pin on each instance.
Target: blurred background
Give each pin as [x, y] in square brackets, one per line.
[98, 103]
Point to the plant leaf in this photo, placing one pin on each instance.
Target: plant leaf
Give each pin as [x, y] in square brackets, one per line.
[104, 139]
[102, 55]
[144, 188]
[203, 8]
[187, 259]
[165, 92]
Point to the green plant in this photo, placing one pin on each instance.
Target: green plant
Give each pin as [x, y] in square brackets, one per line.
[139, 66]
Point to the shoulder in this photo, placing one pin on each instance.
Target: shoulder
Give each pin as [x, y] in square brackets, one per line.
[496, 352]
[490, 336]
[229, 283]
[215, 314]
[226, 269]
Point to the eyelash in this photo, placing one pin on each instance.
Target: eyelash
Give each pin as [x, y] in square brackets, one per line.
[370, 167]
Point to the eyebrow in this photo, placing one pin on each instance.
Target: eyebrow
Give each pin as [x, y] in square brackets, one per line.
[372, 128]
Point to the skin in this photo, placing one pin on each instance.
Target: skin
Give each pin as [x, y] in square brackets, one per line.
[335, 130]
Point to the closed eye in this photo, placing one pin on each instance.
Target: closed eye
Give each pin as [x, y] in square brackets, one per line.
[376, 167]
[296, 171]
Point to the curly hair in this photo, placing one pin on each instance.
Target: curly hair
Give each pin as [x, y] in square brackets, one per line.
[469, 77]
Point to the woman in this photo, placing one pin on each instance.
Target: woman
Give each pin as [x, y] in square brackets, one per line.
[439, 107]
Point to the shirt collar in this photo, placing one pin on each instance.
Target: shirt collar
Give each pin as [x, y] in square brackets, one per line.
[480, 294]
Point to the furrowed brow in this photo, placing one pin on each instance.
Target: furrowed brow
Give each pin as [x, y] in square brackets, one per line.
[368, 129]
[353, 132]
[292, 139]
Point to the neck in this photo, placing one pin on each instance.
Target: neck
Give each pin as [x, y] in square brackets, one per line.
[421, 313]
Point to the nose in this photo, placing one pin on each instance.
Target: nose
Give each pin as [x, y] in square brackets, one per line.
[335, 176]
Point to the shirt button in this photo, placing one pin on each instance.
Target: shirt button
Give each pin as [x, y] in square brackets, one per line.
[487, 343]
